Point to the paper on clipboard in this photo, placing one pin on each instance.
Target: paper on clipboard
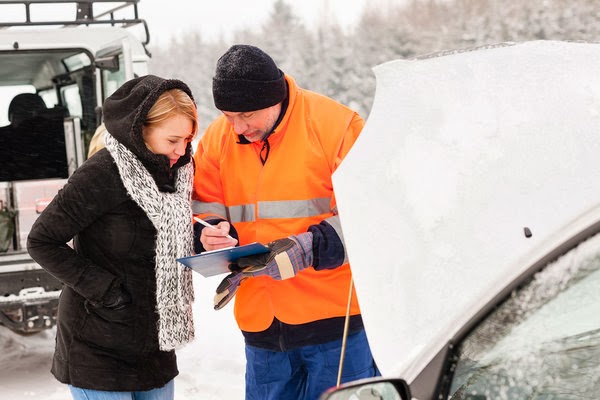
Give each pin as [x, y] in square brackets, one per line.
[215, 262]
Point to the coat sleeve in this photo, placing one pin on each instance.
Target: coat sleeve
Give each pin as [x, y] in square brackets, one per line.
[328, 240]
[207, 199]
[83, 199]
[328, 248]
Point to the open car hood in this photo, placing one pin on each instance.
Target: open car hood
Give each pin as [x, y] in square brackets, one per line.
[461, 153]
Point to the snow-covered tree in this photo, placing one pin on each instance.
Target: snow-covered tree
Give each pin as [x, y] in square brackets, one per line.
[339, 63]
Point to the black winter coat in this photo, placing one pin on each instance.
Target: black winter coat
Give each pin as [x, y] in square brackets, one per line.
[98, 348]
[114, 247]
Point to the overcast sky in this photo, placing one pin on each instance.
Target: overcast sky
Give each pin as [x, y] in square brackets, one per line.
[220, 17]
[212, 18]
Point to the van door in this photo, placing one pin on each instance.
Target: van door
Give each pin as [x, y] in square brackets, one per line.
[116, 66]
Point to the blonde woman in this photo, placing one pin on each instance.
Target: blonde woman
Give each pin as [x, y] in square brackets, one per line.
[126, 304]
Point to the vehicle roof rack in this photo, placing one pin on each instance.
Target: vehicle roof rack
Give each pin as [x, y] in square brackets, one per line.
[83, 15]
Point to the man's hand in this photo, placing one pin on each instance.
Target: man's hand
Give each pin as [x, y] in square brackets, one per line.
[287, 257]
[227, 289]
[217, 236]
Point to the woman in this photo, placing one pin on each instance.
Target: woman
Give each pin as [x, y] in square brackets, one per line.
[126, 303]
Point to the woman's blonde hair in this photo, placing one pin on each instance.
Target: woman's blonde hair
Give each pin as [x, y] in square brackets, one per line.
[97, 142]
[171, 102]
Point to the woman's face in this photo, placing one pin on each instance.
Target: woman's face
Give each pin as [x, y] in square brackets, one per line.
[169, 137]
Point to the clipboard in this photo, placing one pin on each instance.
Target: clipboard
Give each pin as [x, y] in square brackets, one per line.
[215, 262]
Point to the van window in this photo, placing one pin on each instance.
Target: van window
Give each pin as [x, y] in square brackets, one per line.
[111, 80]
[7, 93]
[72, 99]
[49, 97]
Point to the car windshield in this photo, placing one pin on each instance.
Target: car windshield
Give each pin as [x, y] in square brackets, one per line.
[544, 341]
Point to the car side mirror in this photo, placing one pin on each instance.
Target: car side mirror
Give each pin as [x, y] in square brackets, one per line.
[110, 63]
[370, 389]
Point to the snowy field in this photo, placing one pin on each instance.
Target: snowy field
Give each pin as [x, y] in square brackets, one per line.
[211, 367]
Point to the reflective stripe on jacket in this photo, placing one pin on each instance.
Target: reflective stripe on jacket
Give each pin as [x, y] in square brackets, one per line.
[283, 197]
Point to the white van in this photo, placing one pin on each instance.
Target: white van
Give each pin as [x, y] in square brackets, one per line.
[55, 73]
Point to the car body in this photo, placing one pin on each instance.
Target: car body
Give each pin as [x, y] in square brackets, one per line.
[470, 207]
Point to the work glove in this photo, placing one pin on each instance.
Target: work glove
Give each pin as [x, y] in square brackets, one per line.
[285, 259]
[227, 289]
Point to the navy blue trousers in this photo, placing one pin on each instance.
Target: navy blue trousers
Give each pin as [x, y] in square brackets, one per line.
[306, 372]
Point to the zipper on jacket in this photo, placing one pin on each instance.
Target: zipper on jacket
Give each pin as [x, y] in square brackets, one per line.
[266, 148]
[282, 344]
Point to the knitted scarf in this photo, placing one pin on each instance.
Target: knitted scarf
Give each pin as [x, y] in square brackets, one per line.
[171, 215]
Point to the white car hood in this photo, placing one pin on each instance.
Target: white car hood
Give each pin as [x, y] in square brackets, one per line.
[460, 153]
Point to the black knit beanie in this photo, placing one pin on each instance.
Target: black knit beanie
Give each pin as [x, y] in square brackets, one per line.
[247, 79]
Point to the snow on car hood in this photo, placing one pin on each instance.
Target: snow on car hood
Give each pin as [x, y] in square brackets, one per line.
[460, 153]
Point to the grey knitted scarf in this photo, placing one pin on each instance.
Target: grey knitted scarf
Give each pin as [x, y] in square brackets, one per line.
[171, 215]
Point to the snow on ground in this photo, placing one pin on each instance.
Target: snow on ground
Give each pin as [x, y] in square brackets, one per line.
[211, 367]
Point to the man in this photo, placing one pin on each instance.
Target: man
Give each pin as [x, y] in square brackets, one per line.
[265, 167]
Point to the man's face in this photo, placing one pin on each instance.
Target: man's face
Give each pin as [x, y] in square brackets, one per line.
[253, 125]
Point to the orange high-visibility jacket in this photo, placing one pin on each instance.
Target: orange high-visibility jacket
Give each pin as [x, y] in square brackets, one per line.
[283, 197]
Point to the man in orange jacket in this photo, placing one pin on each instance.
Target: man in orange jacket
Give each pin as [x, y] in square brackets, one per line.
[263, 174]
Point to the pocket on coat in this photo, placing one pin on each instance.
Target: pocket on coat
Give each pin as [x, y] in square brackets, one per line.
[112, 329]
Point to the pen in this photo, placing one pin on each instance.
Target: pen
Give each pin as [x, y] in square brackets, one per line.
[203, 222]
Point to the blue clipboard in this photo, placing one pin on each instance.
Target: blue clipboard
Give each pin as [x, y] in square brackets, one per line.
[215, 262]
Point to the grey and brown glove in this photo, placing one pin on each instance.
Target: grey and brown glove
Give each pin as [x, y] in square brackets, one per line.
[227, 289]
[286, 258]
